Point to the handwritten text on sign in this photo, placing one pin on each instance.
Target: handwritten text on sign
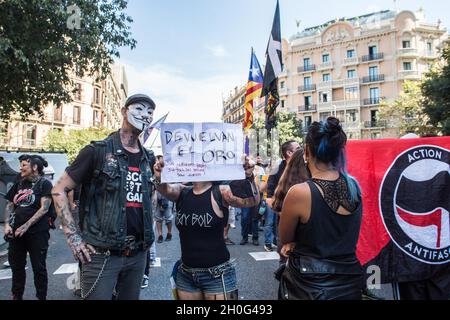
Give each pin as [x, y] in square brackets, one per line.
[202, 152]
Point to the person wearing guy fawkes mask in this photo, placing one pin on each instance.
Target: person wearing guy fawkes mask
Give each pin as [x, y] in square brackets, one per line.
[115, 211]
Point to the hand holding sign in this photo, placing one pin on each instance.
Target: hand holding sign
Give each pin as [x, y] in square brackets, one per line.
[202, 152]
[157, 168]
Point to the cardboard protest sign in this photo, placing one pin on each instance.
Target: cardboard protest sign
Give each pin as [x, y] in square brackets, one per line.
[196, 152]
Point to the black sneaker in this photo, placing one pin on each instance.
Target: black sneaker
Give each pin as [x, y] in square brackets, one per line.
[160, 239]
[228, 241]
[243, 241]
[255, 242]
[168, 237]
[77, 293]
[268, 247]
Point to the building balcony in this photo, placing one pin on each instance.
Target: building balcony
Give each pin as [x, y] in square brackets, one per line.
[306, 88]
[372, 101]
[407, 52]
[372, 57]
[339, 105]
[96, 104]
[307, 108]
[308, 68]
[351, 125]
[283, 73]
[29, 142]
[430, 54]
[325, 66]
[325, 105]
[349, 82]
[351, 61]
[408, 75]
[375, 124]
[283, 92]
[345, 104]
[373, 78]
[324, 85]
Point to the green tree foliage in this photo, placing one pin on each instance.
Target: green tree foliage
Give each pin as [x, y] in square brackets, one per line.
[436, 92]
[288, 128]
[407, 112]
[43, 41]
[74, 141]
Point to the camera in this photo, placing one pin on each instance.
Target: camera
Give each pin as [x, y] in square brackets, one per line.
[8, 237]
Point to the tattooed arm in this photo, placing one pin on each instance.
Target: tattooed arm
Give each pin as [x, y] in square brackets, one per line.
[80, 249]
[45, 205]
[170, 191]
[9, 212]
[237, 202]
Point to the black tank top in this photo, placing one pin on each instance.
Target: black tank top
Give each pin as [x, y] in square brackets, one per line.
[201, 231]
[327, 234]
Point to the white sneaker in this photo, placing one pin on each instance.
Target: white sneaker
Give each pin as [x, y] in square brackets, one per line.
[144, 282]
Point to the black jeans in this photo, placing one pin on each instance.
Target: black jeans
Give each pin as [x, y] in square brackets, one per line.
[437, 287]
[37, 245]
[249, 222]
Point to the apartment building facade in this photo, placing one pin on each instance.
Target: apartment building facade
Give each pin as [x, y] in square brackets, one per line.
[233, 106]
[346, 67]
[96, 104]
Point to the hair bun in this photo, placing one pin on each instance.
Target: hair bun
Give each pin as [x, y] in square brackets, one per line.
[333, 126]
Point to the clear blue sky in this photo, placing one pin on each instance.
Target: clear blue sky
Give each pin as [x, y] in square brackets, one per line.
[190, 52]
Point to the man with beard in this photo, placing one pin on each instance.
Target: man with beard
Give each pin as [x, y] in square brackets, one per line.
[115, 229]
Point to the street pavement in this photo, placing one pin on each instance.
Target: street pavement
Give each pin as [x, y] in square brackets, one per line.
[255, 278]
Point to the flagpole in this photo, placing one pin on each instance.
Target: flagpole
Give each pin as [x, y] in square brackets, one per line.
[154, 140]
[155, 125]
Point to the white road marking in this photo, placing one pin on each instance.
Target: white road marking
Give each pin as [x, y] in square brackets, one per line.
[261, 256]
[6, 274]
[67, 268]
[156, 264]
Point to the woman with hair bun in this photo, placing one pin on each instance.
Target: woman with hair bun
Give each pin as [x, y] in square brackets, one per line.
[26, 225]
[320, 223]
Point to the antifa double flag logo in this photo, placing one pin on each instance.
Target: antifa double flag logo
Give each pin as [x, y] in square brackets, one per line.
[405, 184]
[414, 201]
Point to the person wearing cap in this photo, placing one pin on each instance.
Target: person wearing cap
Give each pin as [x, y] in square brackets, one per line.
[115, 229]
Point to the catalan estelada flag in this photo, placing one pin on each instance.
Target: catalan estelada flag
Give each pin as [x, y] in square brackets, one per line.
[254, 87]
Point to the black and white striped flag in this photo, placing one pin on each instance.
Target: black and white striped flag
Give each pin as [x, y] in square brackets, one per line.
[272, 71]
[273, 54]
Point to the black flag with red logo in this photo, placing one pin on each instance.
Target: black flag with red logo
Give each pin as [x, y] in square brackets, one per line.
[406, 199]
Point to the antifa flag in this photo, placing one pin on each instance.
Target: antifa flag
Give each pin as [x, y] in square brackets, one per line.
[272, 71]
[405, 185]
